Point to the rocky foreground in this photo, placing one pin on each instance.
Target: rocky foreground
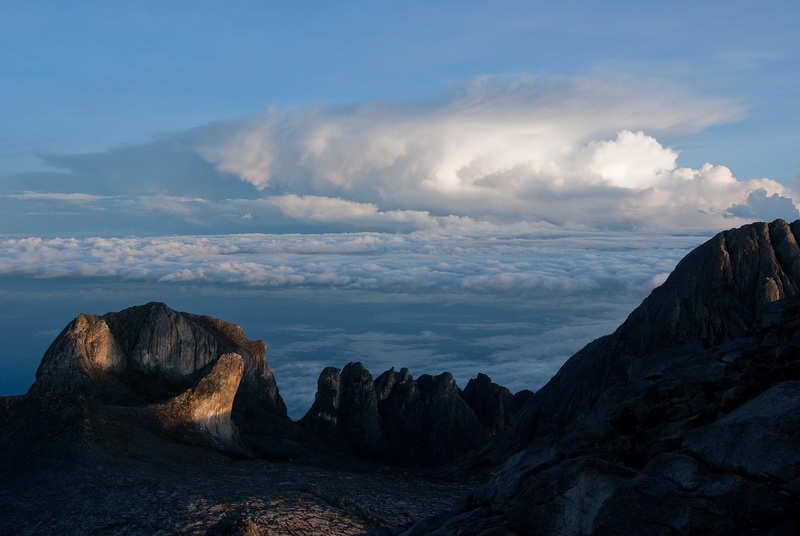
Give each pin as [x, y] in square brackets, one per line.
[686, 420]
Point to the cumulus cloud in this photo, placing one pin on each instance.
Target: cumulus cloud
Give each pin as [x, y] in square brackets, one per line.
[564, 149]
[581, 150]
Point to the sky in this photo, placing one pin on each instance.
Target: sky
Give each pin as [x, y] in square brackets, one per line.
[466, 186]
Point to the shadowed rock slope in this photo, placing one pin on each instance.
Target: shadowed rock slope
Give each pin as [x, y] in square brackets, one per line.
[686, 420]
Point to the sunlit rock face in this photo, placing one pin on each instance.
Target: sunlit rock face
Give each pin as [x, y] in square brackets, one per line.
[85, 351]
[195, 368]
[209, 404]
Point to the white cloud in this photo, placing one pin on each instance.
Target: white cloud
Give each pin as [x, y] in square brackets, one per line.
[560, 149]
[580, 150]
[488, 260]
[78, 198]
[322, 208]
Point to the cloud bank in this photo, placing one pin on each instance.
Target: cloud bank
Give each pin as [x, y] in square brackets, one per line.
[582, 150]
[536, 259]
[511, 301]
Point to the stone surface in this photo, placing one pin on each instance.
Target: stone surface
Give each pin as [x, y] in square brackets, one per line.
[154, 353]
[123, 480]
[493, 404]
[358, 417]
[209, 405]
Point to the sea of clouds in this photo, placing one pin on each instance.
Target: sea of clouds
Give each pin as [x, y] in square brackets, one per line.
[515, 305]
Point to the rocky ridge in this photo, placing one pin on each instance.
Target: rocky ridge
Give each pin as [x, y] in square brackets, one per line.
[683, 421]
[421, 422]
[179, 368]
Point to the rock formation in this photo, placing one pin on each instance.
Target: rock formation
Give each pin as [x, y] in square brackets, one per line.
[395, 418]
[493, 404]
[209, 405]
[178, 365]
[682, 421]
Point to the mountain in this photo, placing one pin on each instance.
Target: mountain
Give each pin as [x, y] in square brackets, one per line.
[685, 420]
[178, 367]
[151, 402]
[414, 423]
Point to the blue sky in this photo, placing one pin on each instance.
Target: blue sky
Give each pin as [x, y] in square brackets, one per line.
[349, 157]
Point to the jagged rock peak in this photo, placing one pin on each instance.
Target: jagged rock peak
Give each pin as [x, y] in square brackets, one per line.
[716, 292]
[325, 409]
[422, 422]
[490, 402]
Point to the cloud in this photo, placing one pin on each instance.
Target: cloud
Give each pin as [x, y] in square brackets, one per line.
[483, 128]
[323, 208]
[77, 198]
[760, 205]
[489, 260]
[580, 150]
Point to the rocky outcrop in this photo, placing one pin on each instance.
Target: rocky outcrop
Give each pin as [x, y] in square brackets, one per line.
[195, 369]
[395, 418]
[493, 404]
[718, 290]
[209, 405]
[427, 422]
[682, 421]
[358, 417]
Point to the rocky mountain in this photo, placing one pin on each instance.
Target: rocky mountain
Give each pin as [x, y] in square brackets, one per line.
[143, 397]
[685, 420]
[180, 368]
[414, 423]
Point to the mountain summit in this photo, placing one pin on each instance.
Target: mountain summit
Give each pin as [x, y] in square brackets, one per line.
[684, 420]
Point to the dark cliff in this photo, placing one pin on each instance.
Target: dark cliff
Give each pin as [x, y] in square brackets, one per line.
[420, 422]
[683, 421]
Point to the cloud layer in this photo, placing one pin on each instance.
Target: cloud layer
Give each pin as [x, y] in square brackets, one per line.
[528, 261]
[498, 227]
[581, 150]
